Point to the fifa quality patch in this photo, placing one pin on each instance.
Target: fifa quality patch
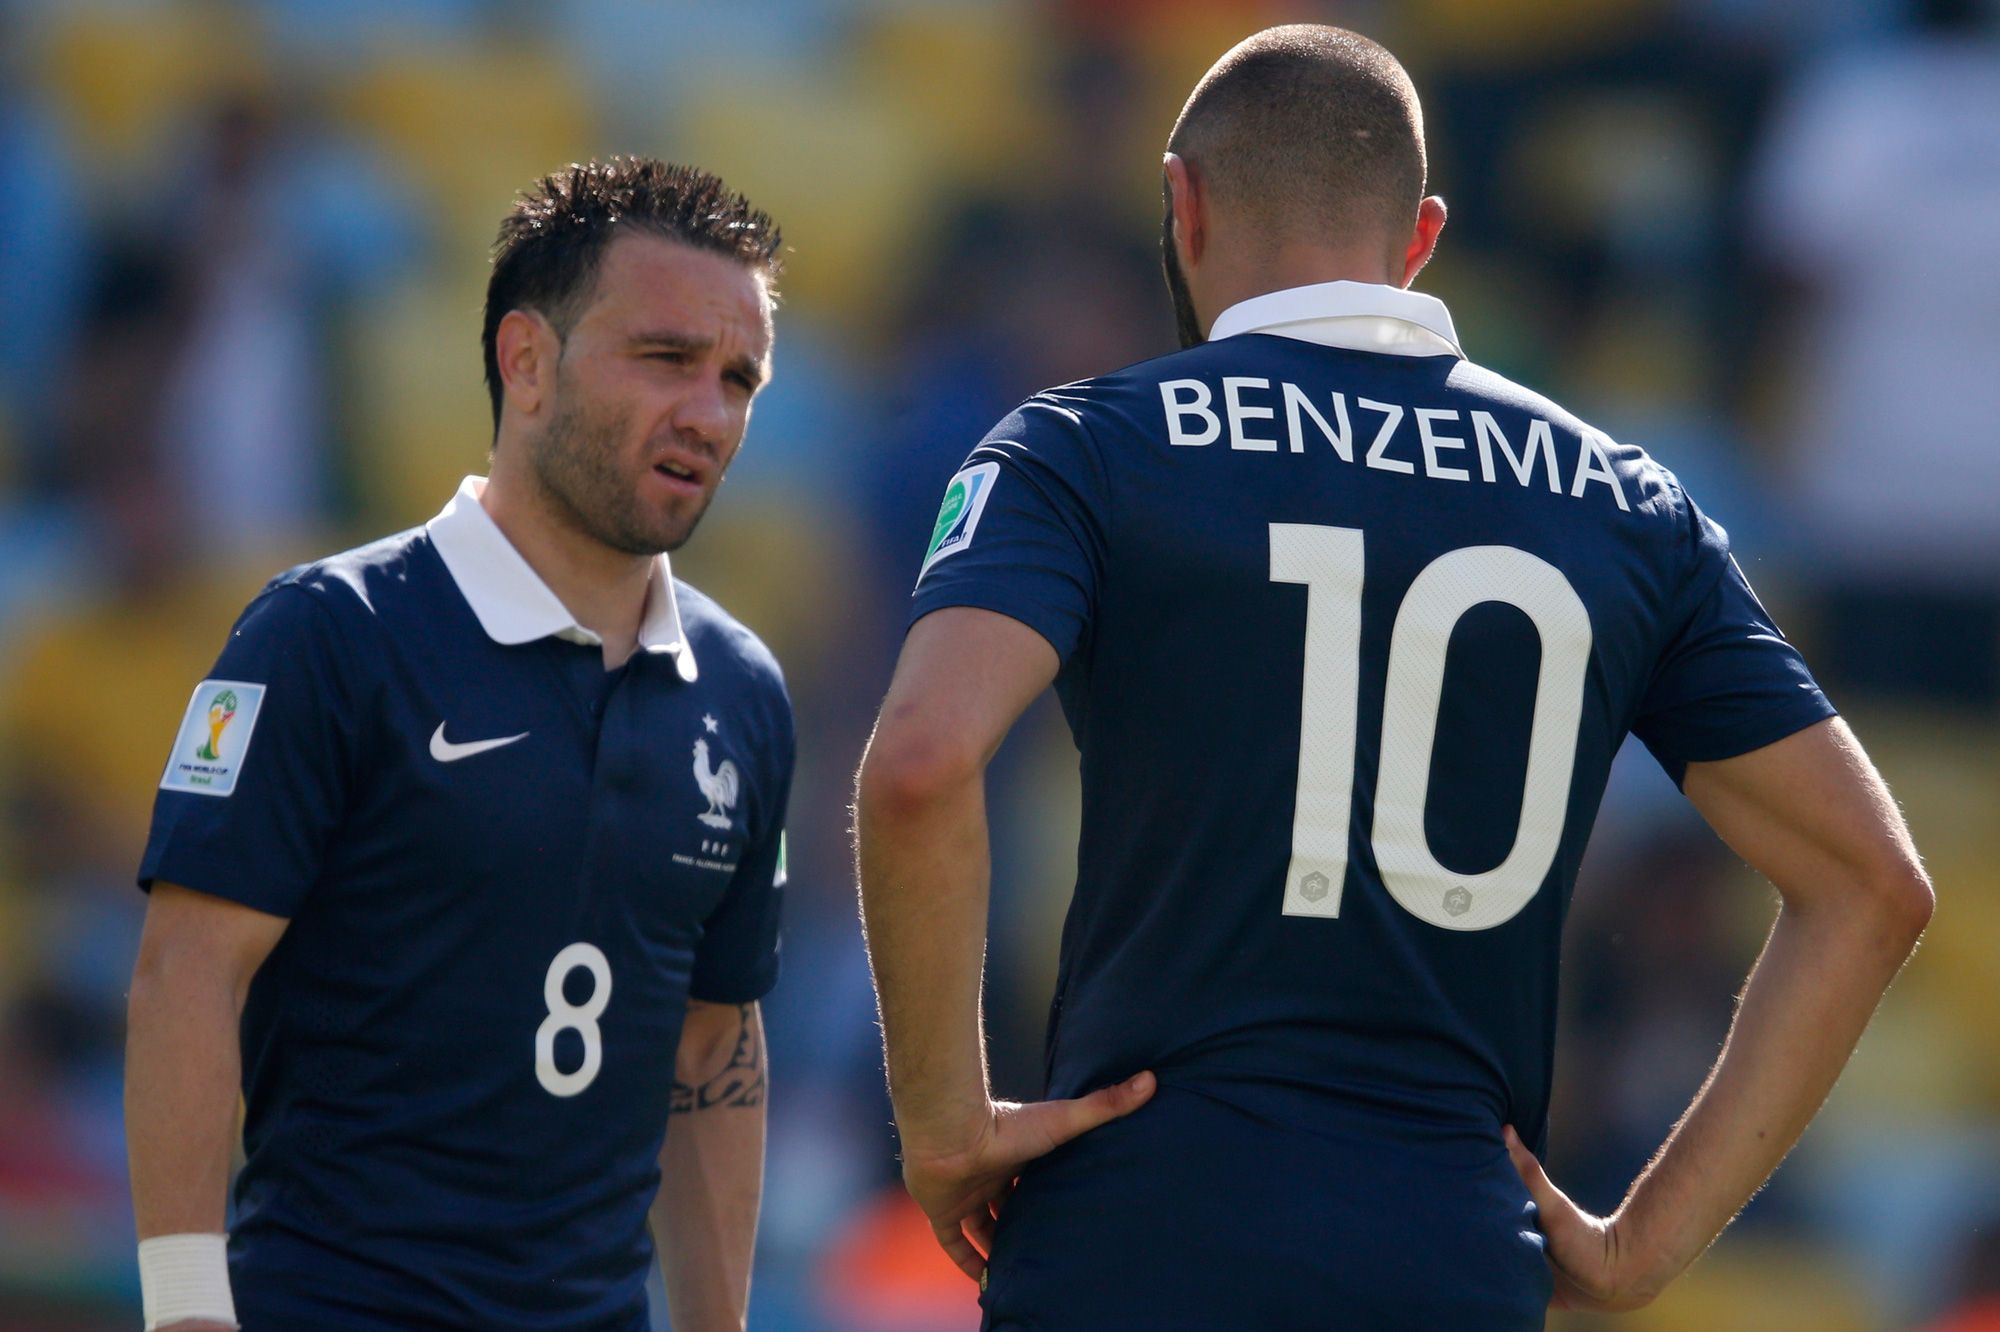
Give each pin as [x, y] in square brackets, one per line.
[964, 500]
[214, 737]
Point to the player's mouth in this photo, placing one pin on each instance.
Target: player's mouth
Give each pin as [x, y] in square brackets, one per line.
[690, 478]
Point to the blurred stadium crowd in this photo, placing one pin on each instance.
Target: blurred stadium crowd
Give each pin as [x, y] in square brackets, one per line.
[242, 250]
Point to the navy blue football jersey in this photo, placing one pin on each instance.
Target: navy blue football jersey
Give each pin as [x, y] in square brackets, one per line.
[1349, 630]
[506, 870]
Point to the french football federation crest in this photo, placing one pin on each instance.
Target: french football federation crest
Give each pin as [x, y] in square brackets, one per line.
[720, 785]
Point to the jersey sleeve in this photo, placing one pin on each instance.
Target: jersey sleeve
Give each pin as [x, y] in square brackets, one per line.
[1021, 530]
[737, 959]
[1728, 681]
[260, 769]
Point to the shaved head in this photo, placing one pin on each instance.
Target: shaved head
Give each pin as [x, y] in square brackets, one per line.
[1312, 133]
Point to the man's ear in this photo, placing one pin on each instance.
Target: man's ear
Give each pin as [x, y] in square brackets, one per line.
[1186, 203]
[527, 349]
[1423, 238]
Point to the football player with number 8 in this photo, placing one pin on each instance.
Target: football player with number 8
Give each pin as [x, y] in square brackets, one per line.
[443, 875]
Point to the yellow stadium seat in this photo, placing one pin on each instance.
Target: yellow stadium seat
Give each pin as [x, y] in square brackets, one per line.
[418, 406]
[127, 75]
[834, 161]
[963, 79]
[472, 124]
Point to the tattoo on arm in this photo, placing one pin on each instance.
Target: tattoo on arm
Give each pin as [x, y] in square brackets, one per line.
[739, 1082]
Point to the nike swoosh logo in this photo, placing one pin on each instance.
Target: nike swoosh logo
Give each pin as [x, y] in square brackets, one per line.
[444, 751]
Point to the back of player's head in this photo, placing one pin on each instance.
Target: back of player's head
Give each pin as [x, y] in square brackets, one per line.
[554, 238]
[1314, 133]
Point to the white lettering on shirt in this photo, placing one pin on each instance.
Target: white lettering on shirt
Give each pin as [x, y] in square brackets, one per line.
[1192, 421]
[1433, 442]
[1592, 464]
[1539, 436]
[1296, 401]
[1178, 411]
[1233, 404]
[1378, 451]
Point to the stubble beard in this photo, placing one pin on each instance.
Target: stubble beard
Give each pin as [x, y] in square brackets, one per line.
[576, 462]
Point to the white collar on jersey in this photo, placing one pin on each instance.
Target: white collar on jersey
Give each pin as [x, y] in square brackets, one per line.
[512, 602]
[1359, 316]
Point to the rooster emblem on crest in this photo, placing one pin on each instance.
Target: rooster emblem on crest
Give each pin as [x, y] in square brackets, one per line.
[721, 786]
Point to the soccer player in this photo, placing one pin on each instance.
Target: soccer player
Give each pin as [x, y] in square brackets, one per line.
[475, 836]
[1348, 630]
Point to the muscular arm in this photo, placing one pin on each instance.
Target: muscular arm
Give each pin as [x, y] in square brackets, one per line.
[712, 1167]
[183, 1070]
[1811, 814]
[964, 678]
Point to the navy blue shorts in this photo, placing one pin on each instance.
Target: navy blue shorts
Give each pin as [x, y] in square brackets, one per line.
[1192, 1213]
[293, 1288]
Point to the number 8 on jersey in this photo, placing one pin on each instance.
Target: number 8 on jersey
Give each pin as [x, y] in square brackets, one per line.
[580, 1018]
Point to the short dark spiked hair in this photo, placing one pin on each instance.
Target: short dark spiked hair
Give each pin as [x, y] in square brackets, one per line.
[552, 241]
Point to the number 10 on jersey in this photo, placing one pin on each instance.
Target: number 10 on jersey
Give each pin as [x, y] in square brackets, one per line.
[1330, 562]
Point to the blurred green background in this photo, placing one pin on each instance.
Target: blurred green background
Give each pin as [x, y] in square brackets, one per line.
[242, 253]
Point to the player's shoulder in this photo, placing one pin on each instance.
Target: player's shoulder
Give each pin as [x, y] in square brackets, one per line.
[1084, 408]
[1122, 392]
[724, 646]
[1651, 487]
[1482, 385]
[358, 580]
[1081, 420]
[342, 593]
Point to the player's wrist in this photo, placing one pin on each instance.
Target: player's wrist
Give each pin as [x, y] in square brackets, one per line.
[184, 1280]
[946, 1134]
[940, 1150]
[1639, 1265]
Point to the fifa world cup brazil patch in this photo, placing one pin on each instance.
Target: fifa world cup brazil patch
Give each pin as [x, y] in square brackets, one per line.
[964, 500]
[214, 737]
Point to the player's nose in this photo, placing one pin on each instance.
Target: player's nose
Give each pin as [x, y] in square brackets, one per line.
[706, 412]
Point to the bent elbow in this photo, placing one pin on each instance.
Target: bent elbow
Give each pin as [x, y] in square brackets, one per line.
[1909, 901]
[907, 771]
[1893, 904]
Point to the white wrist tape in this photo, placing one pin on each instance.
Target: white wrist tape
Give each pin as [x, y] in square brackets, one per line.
[185, 1276]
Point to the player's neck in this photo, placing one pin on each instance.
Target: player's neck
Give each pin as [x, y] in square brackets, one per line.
[1289, 265]
[605, 589]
